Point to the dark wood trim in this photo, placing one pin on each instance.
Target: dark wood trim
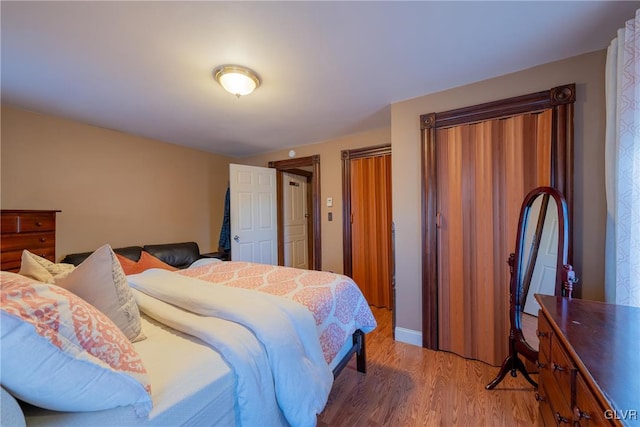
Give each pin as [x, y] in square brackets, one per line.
[564, 172]
[358, 153]
[309, 202]
[347, 156]
[561, 95]
[301, 172]
[429, 239]
[280, 216]
[347, 256]
[289, 164]
[560, 99]
[35, 211]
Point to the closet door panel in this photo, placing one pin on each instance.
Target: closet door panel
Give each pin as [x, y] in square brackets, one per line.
[450, 246]
[483, 172]
[371, 227]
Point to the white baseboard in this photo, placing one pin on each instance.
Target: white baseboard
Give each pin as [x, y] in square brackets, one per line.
[409, 336]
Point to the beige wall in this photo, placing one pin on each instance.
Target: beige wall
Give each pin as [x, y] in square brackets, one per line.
[110, 186]
[587, 71]
[117, 188]
[330, 184]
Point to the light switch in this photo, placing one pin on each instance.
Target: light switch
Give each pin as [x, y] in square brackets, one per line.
[330, 216]
[329, 202]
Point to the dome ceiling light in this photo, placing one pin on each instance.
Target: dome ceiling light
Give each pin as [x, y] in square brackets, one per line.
[239, 81]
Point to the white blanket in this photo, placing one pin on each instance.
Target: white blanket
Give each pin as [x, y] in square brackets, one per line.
[287, 331]
[256, 403]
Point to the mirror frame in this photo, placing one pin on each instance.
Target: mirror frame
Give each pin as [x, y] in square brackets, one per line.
[516, 282]
[563, 283]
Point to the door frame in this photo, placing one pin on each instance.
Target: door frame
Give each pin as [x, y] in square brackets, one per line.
[560, 100]
[292, 165]
[347, 156]
[308, 177]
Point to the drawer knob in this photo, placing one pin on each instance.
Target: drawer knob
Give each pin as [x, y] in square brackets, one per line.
[557, 368]
[561, 419]
[38, 223]
[540, 365]
[43, 239]
[580, 415]
[540, 398]
[541, 334]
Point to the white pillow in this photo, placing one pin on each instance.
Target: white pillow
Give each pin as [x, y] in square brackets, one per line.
[100, 281]
[204, 261]
[41, 269]
[10, 411]
[60, 353]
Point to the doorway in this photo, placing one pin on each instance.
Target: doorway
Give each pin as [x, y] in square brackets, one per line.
[367, 226]
[478, 162]
[309, 167]
[296, 214]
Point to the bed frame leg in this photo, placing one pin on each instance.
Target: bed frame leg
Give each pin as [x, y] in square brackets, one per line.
[359, 350]
[361, 357]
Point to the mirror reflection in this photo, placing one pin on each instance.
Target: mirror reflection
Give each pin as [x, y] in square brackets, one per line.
[540, 258]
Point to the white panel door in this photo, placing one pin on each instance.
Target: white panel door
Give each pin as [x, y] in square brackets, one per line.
[543, 279]
[253, 214]
[294, 190]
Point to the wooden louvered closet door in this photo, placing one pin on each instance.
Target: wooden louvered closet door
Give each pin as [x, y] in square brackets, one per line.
[371, 227]
[484, 171]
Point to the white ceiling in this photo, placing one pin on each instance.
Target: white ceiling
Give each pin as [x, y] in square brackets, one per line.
[328, 69]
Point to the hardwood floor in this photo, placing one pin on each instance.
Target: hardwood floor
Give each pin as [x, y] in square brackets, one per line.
[407, 385]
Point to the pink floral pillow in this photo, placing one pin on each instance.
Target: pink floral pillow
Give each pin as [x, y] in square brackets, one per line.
[61, 353]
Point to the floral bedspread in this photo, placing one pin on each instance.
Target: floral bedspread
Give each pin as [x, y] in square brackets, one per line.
[338, 306]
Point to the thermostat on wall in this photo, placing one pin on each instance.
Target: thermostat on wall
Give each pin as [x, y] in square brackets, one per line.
[329, 201]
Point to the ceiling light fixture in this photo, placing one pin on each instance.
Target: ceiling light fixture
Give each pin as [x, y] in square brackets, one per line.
[237, 80]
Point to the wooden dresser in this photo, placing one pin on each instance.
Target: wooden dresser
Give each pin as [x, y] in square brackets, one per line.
[589, 363]
[33, 230]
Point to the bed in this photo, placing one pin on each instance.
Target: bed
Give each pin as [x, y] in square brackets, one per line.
[232, 343]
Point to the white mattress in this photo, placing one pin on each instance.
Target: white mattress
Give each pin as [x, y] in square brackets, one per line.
[191, 385]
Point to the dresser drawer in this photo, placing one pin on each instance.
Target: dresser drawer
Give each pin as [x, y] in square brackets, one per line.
[587, 411]
[544, 334]
[545, 412]
[11, 260]
[561, 368]
[28, 222]
[544, 356]
[559, 399]
[32, 241]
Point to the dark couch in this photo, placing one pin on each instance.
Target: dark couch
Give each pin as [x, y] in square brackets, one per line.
[179, 255]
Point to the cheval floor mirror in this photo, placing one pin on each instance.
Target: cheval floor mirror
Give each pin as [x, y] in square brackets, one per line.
[478, 164]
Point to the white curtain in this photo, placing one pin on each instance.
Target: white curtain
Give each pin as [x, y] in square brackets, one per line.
[622, 166]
